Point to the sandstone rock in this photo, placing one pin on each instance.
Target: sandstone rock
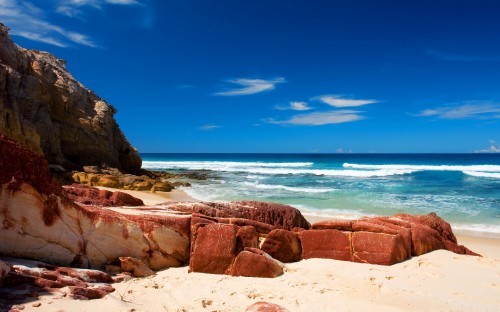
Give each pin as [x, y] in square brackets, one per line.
[92, 196]
[213, 248]
[87, 293]
[253, 262]
[47, 110]
[37, 221]
[277, 215]
[162, 187]
[283, 245]
[263, 306]
[135, 266]
[336, 224]
[330, 244]
[246, 236]
[378, 248]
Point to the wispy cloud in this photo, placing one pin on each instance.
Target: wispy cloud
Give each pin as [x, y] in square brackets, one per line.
[470, 110]
[251, 86]
[29, 21]
[320, 118]
[209, 127]
[296, 106]
[72, 8]
[462, 58]
[338, 101]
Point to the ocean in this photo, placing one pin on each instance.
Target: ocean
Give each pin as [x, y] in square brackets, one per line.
[464, 189]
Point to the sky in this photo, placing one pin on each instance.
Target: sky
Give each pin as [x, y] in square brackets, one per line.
[282, 76]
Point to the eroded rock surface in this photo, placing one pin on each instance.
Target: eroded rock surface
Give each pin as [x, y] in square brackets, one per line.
[47, 110]
[93, 196]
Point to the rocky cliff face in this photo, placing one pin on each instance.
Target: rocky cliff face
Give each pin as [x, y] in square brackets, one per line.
[47, 110]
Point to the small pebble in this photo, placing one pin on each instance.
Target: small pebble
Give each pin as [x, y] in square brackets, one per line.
[36, 305]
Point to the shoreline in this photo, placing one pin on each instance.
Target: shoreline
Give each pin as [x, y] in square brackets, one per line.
[479, 242]
[436, 281]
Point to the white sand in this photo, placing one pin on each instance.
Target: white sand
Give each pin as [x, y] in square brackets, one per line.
[437, 281]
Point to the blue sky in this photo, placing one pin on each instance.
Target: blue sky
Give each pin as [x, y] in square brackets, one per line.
[281, 76]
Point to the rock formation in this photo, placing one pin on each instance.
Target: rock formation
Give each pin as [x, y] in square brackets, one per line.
[47, 110]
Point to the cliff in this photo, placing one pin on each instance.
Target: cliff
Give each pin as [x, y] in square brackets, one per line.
[44, 108]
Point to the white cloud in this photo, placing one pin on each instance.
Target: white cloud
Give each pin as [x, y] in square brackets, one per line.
[71, 8]
[320, 118]
[471, 110]
[251, 86]
[209, 127]
[493, 148]
[297, 106]
[337, 101]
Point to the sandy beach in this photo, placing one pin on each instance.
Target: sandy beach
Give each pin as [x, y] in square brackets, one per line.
[437, 281]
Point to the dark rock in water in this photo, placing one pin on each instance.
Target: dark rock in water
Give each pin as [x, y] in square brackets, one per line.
[44, 108]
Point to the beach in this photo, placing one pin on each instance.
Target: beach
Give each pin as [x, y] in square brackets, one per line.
[437, 281]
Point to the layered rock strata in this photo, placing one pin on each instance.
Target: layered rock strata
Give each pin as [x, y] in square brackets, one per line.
[47, 110]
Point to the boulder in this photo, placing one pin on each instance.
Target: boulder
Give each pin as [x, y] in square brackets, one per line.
[213, 248]
[330, 244]
[4, 270]
[92, 196]
[246, 236]
[48, 111]
[276, 215]
[39, 222]
[263, 306]
[378, 248]
[135, 266]
[253, 262]
[283, 245]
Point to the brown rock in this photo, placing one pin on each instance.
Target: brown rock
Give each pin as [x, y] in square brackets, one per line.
[87, 293]
[336, 224]
[92, 196]
[283, 245]
[162, 187]
[47, 110]
[378, 248]
[330, 244]
[253, 262]
[213, 248]
[263, 306]
[246, 236]
[135, 266]
[4, 270]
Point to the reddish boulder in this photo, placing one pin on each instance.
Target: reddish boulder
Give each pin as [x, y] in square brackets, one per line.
[88, 195]
[277, 215]
[330, 244]
[263, 306]
[283, 245]
[87, 293]
[246, 236]
[378, 248]
[253, 262]
[213, 248]
[336, 224]
[433, 221]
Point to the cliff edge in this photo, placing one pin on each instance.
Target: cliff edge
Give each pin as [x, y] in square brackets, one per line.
[44, 108]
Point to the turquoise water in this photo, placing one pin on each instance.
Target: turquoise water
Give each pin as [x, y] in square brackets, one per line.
[464, 189]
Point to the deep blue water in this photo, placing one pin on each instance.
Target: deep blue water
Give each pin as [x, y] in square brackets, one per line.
[464, 189]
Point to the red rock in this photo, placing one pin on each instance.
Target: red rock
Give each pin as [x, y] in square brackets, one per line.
[336, 224]
[88, 276]
[253, 262]
[330, 244]
[378, 248]
[135, 266]
[213, 248]
[459, 249]
[277, 215]
[263, 306]
[283, 245]
[88, 195]
[246, 236]
[389, 227]
[433, 221]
